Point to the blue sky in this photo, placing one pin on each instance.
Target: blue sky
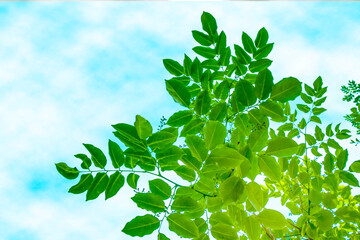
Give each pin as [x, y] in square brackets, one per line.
[70, 70]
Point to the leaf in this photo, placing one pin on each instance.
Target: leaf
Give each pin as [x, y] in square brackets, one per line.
[180, 118]
[202, 103]
[245, 93]
[149, 201]
[319, 134]
[185, 204]
[255, 195]
[218, 112]
[141, 226]
[132, 180]
[182, 226]
[143, 127]
[318, 111]
[270, 167]
[86, 162]
[98, 186]
[201, 224]
[208, 23]
[222, 90]
[224, 232]
[282, 147]
[310, 139]
[192, 127]
[187, 70]
[348, 214]
[252, 228]
[197, 147]
[263, 52]
[285, 90]
[243, 57]
[248, 43]
[273, 110]
[258, 139]
[211, 64]
[231, 189]
[349, 178]
[116, 154]
[215, 133]
[161, 188]
[259, 65]
[324, 220]
[66, 171]
[302, 107]
[263, 84]
[162, 139]
[355, 167]
[205, 52]
[202, 38]
[162, 237]
[342, 159]
[82, 185]
[173, 67]
[220, 46]
[97, 156]
[223, 156]
[128, 135]
[196, 70]
[235, 103]
[185, 173]
[261, 38]
[272, 219]
[318, 84]
[116, 182]
[178, 91]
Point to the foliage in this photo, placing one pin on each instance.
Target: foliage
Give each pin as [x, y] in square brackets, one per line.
[352, 91]
[246, 142]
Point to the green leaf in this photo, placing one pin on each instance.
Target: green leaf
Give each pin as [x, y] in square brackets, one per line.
[82, 185]
[342, 159]
[258, 139]
[255, 195]
[173, 67]
[349, 178]
[143, 127]
[324, 220]
[235, 103]
[191, 161]
[348, 214]
[180, 118]
[205, 52]
[196, 70]
[223, 156]
[141, 226]
[97, 156]
[182, 226]
[218, 112]
[222, 90]
[116, 182]
[263, 84]
[224, 232]
[163, 139]
[215, 133]
[187, 69]
[319, 134]
[243, 57]
[132, 180]
[318, 111]
[185, 204]
[128, 135]
[263, 52]
[318, 84]
[231, 189]
[310, 139]
[302, 107]
[329, 200]
[116, 154]
[149, 201]
[270, 167]
[98, 186]
[320, 101]
[162, 237]
[273, 110]
[192, 127]
[202, 236]
[272, 219]
[248, 43]
[208, 23]
[202, 38]
[252, 228]
[86, 162]
[355, 167]
[315, 119]
[285, 90]
[261, 38]
[259, 65]
[282, 147]
[201, 224]
[185, 173]
[178, 91]
[211, 64]
[160, 188]
[307, 99]
[66, 171]
[221, 43]
[202, 103]
[245, 93]
[197, 147]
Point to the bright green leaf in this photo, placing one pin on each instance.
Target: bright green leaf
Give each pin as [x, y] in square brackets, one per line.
[141, 226]
[215, 133]
[116, 182]
[173, 67]
[149, 201]
[98, 186]
[286, 89]
[116, 154]
[272, 219]
[182, 226]
[66, 171]
[143, 127]
[178, 91]
[82, 185]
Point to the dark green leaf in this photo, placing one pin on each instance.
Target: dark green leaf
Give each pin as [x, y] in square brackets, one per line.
[315, 119]
[205, 52]
[310, 139]
[173, 67]
[222, 90]
[208, 23]
[248, 43]
[98, 186]
[263, 84]
[221, 43]
[202, 38]
[215, 133]
[318, 111]
[243, 57]
[116, 182]
[128, 135]
[302, 107]
[116, 154]
[224, 59]
[261, 38]
[349, 178]
[263, 52]
[97, 156]
[202, 102]
[86, 162]
[143, 127]
[320, 101]
[318, 84]
[211, 64]
[355, 167]
[163, 139]
[196, 70]
[66, 171]
[285, 90]
[180, 118]
[182, 226]
[218, 112]
[259, 65]
[141, 226]
[178, 91]
[307, 99]
[149, 201]
[342, 159]
[162, 237]
[245, 93]
[235, 103]
[132, 180]
[187, 68]
[82, 185]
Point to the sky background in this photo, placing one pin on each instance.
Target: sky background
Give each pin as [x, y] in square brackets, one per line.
[70, 70]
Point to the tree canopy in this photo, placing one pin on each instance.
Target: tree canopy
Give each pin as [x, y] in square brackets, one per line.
[241, 139]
